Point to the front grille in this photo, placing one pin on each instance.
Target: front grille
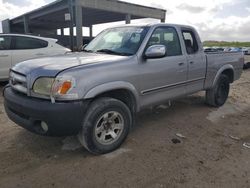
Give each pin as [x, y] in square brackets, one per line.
[18, 82]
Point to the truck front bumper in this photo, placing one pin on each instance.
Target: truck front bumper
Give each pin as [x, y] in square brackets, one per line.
[43, 117]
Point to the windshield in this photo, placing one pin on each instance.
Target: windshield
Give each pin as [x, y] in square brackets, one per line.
[118, 41]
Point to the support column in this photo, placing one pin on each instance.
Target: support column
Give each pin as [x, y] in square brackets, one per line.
[128, 18]
[91, 31]
[79, 25]
[163, 20]
[26, 24]
[62, 31]
[71, 24]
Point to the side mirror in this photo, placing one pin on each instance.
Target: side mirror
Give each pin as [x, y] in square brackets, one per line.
[155, 51]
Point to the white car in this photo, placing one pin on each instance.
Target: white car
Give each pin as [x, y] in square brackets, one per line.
[15, 48]
[246, 51]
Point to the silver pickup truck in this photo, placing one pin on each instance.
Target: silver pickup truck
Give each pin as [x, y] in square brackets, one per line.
[96, 94]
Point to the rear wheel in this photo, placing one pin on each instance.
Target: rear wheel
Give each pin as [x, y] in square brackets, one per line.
[106, 125]
[218, 95]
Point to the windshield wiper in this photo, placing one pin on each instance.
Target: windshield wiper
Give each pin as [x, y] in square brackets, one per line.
[84, 50]
[114, 52]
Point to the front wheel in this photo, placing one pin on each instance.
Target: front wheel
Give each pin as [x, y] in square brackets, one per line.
[106, 125]
[218, 95]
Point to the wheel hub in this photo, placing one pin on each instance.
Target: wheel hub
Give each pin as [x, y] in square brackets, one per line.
[109, 127]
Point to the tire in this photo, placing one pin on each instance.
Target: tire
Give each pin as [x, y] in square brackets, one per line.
[218, 95]
[246, 65]
[105, 126]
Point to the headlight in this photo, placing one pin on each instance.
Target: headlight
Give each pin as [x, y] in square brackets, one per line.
[43, 86]
[56, 88]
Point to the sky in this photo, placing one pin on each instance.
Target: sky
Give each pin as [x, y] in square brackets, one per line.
[227, 20]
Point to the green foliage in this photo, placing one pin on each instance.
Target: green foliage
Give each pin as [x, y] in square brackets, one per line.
[225, 44]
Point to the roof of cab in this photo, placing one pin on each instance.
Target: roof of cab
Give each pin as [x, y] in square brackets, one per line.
[153, 25]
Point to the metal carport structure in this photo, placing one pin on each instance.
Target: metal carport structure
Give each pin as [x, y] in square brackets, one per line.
[46, 20]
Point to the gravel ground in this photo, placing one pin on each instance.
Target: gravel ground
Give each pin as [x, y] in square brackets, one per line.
[210, 155]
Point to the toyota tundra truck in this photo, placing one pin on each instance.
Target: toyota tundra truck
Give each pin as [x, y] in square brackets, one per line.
[95, 94]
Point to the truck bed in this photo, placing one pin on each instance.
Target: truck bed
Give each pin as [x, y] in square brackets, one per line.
[217, 60]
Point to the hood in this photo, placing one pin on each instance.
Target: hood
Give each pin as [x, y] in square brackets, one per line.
[51, 66]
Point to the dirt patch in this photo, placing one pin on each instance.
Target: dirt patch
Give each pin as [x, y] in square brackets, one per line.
[208, 156]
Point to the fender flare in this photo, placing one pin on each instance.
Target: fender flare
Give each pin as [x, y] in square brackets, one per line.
[219, 72]
[92, 93]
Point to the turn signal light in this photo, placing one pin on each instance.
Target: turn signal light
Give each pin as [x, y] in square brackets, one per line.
[65, 87]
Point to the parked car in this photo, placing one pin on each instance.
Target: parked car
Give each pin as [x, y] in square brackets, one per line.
[210, 50]
[235, 49]
[97, 93]
[246, 51]
[232, 49]
[213, 49]
[220, 49]
[15, 48]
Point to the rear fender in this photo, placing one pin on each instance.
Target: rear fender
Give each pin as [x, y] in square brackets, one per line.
[220, 71]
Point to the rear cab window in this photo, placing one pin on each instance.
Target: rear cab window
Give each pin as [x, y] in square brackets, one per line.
[190, 41]
[168, 37]
[5, 42]
[22, 43]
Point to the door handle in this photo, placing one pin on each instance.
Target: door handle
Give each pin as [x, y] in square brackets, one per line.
[181, 64]
[191, 62]
[181, 71]
[4, 55]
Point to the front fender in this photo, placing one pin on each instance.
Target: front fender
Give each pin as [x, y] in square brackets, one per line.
[92, 93]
